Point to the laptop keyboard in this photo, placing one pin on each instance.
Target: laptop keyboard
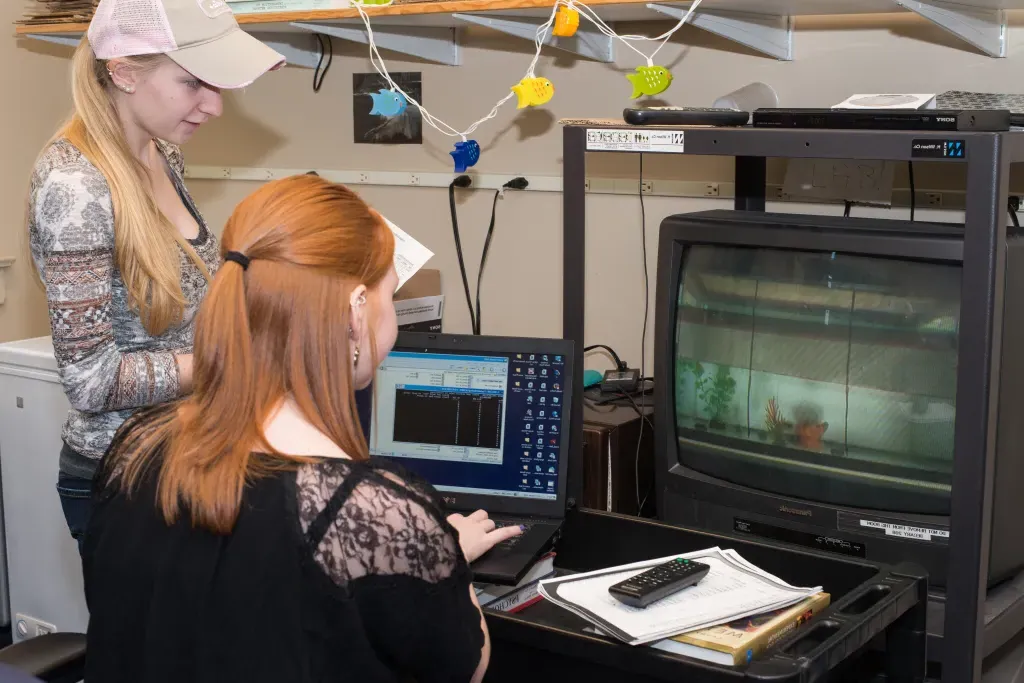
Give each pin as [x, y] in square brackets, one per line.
[511, 542]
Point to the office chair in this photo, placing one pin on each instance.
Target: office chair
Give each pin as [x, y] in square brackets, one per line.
[53, 658]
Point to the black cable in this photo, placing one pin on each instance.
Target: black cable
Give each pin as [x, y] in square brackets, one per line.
[461, 181]
[483, 259]
[643, 334]
[318, 76]
[519, 183]
[619, 365]
[913, 192]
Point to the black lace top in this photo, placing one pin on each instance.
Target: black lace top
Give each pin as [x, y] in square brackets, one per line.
[339, 571]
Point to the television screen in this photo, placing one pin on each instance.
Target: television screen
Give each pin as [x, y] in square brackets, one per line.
[833, 364]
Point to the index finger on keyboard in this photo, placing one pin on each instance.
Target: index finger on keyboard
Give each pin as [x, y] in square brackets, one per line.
[506, 532]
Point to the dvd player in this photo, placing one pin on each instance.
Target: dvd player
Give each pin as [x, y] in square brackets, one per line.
[980, 120]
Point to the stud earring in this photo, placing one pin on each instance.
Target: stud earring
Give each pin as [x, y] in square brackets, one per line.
[355, 355]
[124, 88]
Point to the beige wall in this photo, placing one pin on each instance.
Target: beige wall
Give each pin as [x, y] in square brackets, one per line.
[280, 122]
[34, 99]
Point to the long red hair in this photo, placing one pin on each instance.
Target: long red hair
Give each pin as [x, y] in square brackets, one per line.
[278, 328]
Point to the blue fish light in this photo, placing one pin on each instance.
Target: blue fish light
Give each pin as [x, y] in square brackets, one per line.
[465, 154]
[388, 103]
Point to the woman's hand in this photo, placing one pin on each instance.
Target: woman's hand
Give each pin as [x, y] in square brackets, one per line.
[477, 533]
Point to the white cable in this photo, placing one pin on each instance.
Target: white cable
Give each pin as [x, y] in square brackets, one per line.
[541, 35]
[437, 124]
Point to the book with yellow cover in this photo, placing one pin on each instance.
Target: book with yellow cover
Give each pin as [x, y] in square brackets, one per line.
[740, 641]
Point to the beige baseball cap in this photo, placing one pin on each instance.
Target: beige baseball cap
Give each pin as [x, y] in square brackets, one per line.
[201, 36]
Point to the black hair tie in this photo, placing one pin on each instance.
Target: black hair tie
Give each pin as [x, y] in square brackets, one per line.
[239, 258]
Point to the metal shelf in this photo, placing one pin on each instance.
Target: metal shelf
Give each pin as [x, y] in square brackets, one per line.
[988, 157]
[426, 30]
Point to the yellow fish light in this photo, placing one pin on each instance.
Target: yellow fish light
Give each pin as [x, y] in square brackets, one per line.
[567, 20]
[533, 91]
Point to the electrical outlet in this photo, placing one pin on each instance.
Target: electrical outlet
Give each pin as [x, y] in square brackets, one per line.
[711, 190]
[30, 627]
[268, 174]
[414, 179]
[933, 199]
[647, 186]
[225, 173]
[586, 185]
[364, 178]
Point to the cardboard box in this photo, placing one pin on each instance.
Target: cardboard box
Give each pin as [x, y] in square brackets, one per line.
[419, 303]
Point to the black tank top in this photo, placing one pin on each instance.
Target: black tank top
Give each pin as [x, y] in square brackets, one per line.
[337, 571]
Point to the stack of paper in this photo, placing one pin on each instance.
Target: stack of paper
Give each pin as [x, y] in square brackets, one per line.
[733, 588]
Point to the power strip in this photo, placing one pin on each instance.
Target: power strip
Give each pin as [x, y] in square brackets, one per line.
[653, 187]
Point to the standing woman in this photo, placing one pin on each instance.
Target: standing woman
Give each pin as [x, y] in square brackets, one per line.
[122, 250]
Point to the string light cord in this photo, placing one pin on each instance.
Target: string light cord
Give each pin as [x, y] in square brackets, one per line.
[437, 124]
[540, 37]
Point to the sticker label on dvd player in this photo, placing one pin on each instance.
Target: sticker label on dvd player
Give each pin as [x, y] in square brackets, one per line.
[939, 149]
[630, 140]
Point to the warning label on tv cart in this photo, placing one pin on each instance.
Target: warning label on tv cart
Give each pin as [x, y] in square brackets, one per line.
[632, 140]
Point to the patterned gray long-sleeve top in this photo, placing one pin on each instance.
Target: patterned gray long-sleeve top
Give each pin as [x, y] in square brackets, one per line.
[108, 363]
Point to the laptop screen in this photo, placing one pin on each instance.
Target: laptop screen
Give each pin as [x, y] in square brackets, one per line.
[480, 423]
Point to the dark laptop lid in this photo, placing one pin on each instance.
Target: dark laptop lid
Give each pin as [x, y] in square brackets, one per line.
[484, 419]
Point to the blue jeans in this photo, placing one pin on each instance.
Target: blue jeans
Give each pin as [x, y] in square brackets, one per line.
[76, 501]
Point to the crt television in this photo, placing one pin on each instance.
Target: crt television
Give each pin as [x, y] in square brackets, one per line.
[807, 384]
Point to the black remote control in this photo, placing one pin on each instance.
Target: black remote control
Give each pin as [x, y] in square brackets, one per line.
[659, 582]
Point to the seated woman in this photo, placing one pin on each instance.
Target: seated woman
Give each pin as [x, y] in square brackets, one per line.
[242, 534]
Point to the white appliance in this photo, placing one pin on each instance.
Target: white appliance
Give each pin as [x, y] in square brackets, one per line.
[44, 570]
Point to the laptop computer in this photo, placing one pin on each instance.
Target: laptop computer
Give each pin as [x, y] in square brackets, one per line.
[485, 420]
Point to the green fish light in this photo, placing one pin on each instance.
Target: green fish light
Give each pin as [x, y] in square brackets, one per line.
[649, 80]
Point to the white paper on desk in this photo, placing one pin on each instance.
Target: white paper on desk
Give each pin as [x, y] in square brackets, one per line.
[410, 255]
[733, 589]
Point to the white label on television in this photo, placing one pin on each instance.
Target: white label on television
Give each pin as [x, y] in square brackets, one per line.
[633, 140]
[919, 533]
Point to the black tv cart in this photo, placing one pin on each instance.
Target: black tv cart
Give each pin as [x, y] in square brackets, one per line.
[547, 644]
[961, 636]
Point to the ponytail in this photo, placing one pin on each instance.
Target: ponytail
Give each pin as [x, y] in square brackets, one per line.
[274, 326]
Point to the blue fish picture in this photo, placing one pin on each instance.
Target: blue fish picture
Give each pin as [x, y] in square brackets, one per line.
[381, 114]
[465, 155]
[388, 103]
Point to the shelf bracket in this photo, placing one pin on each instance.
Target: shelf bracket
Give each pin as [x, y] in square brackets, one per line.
[587, 43]
[434, 44]
[769, 34]
[982, 27]
[71, 39]
[299, 49]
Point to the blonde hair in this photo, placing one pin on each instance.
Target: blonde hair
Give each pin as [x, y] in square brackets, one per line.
[145, 240]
